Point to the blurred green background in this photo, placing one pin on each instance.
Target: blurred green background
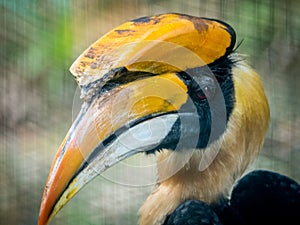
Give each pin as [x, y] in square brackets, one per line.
[39, 40]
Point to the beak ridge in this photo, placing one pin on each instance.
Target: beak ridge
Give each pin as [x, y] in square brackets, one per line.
[110, 129]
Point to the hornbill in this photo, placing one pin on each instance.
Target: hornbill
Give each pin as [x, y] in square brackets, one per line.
[179, 76]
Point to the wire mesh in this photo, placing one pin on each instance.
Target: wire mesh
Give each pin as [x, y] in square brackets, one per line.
[39, 40]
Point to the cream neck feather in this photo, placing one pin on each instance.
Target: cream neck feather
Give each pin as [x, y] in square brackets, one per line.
[226, 158]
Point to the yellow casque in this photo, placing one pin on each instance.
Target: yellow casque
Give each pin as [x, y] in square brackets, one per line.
[135, 43]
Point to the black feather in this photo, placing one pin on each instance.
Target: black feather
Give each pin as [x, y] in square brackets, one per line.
[193, 213]
[265, 197]
[260, 197]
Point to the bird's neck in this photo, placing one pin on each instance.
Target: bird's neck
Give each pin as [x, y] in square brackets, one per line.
[209, 174]
[194, 180]
[204, 174]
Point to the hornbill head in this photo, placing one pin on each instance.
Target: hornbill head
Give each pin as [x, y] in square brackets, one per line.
[176, 75]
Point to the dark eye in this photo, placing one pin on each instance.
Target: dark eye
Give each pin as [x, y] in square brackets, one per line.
[206, 88]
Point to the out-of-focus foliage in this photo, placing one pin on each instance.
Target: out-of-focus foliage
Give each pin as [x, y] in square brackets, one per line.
[36, 49]
[39, 40]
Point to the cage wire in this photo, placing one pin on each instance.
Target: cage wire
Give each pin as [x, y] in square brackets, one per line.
[39, 40]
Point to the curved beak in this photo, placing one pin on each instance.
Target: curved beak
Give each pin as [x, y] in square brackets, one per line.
[106, 131]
